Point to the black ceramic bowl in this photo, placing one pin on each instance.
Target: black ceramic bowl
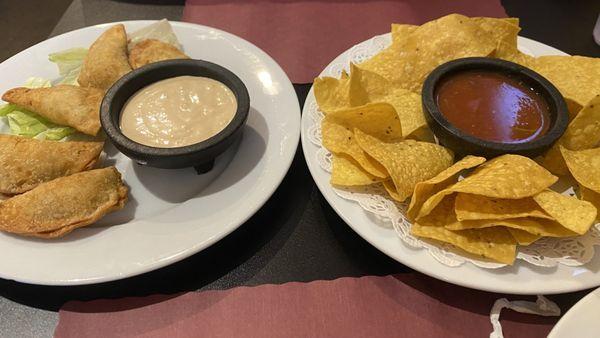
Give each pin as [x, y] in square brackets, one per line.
[199, 155]
[465, 144]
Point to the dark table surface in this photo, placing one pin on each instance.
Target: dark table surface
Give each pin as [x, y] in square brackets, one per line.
[296, 236]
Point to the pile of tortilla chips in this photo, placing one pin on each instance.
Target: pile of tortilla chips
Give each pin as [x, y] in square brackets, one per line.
[376, 130]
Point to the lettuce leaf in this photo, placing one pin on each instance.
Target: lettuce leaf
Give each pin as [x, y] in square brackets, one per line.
[160, 30]
[69, 63]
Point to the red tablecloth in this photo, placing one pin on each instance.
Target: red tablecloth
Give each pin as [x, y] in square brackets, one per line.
[304, 36]
[410, 305]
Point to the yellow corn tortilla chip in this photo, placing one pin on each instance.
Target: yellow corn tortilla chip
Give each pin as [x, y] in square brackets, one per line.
[506, 177]
[401, 31]
[574, 107]
[523, 237]
[582, 133]
[340, 140]
[409, 108]
[347, 172]
[584, 165]
[366, 86]
[493, 243]
[369, 87]
[576, 77]
[475, 207]
[553, 161]
[391, 190]
[442, 215]
[408, 61]
[535, 226]
[377, 119]
[592, 197]
[510, 52]
[424, 190]
[570, 212]
[331, 93]
[408, 162]
[500, 29]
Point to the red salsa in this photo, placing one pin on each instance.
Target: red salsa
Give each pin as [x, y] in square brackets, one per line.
[493, 106]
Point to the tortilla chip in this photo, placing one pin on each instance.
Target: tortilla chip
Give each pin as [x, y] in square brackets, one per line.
[584, 165]
[553, 161]
[377, 119]
[442, 215]
[331, 93]
[584, 131]
[510, 52]
[493, 243]
[369, 87]
[592, 197]
[401, 31]
[500, 29]
[408, 162]
[340, 140]
[408, 61]
[570, 212]
[474, 207]
[505, 177]
[391, 190]
[523, 237]
[576, 77]
[347, 172]
[424, 190]
[535, 226]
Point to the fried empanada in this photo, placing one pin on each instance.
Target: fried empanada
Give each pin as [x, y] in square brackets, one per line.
[57, 207]
[152, 50]
[26, 162]
[67, 105]
[106, 60]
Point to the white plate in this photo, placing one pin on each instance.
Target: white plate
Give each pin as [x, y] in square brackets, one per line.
[581, 320]
[521, 278]
[171, 214]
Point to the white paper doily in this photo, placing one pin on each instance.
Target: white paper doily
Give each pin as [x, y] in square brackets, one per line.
[547, 252]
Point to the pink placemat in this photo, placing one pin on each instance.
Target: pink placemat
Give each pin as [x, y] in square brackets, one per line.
[304, 36]
[410, 305]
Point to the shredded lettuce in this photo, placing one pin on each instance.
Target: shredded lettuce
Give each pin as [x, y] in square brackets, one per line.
[37, 82]
[160, 30]
[7, 108]
[29, 124]
[69, 63]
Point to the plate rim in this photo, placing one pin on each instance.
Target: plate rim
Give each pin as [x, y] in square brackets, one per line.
[293, 138]
[572, 313]
[326, 191]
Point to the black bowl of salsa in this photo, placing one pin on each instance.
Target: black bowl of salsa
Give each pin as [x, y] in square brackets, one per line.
[490, 107]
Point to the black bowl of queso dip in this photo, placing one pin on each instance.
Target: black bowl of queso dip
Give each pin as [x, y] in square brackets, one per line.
[176, 113]
[489, 107]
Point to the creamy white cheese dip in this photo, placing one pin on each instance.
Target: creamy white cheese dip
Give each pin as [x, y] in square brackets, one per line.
[178, 111]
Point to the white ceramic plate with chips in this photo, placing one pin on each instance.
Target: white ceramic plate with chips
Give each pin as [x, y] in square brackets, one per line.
[521, 278]
[171, 214]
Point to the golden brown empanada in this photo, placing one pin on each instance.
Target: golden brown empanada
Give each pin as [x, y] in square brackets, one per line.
[26, 162]
[67, 105]
[57, 207]
[106, 60]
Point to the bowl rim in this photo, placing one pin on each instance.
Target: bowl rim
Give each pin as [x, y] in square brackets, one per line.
[554, 98]
[114, 132]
